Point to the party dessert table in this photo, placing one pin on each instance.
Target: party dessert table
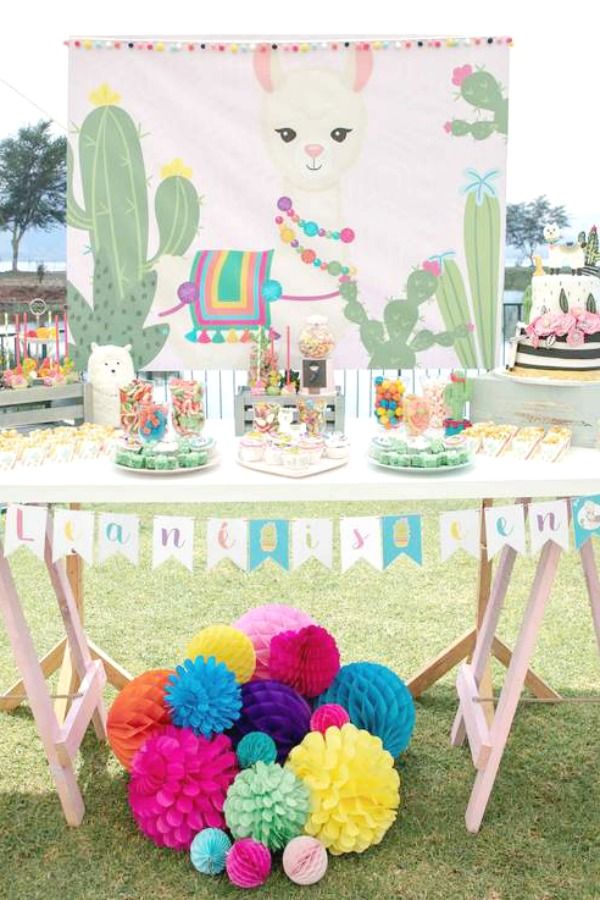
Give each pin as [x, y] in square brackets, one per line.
[95, 481]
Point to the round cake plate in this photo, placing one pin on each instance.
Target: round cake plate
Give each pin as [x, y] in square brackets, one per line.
[546, 382]
[417, 470]
[180, 471]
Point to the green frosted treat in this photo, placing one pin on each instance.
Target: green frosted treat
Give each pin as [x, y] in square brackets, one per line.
[385, 456]
[403, 459]
[417, 461]
[161, 462]
[453, 457]
[198, 458]
[122, 458]
[436, 447]
[430, 462]
[150, 462]
[136, 461]
[183, 460]
[399, 445]
[442, 459]
[171, 462]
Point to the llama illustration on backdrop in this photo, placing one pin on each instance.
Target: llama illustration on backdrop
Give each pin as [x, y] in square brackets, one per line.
[313, 122]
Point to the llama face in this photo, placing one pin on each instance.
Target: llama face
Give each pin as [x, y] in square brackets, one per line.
[313, 120]
[551, 233]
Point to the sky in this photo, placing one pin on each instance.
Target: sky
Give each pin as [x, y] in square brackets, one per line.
[553, 82]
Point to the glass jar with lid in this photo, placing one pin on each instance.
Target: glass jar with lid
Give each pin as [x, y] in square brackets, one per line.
[316, 338]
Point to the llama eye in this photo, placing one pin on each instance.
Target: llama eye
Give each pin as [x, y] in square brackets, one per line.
[286, 134]
[340, 134]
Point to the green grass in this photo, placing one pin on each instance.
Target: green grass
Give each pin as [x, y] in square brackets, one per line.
[541, 835]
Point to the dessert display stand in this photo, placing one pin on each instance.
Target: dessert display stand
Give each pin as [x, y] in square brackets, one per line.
[245, 401]
[93, 481]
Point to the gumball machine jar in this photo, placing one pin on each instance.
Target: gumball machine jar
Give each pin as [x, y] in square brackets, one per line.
[316, 338]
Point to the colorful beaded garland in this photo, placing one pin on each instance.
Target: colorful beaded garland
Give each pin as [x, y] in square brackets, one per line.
[311, 229]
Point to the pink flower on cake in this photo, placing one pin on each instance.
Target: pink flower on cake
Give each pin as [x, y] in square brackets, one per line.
[460, 73]
[575, 338]
[588, 322]
[433, 267]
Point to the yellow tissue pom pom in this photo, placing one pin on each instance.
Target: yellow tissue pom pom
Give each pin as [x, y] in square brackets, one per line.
[228, 645]
[355, 789]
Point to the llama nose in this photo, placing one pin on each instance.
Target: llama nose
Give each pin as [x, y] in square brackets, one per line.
[314, 150]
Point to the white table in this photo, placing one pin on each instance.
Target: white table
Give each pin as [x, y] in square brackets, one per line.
[487, 480]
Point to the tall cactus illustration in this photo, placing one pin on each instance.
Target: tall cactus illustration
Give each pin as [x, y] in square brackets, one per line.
[592, 251]
[482, 246]
[483, 92]
[115, 215]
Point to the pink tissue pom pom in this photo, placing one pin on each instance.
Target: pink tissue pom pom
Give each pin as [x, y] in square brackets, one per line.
[308, 660]
[263, 623]
[178, 785]
[305, 860]
[248, 863]
[327, 716]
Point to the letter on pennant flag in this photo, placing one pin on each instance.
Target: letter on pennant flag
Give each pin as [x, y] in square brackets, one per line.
[73, 532]
[360, 538]
[505, 526]
[118, 533]
[25, 527]
[312, 539]
[549, 521]
[401, 536]
[227, 539]
[173, 538]
[460, 530]
[586, 518]
[268, 539]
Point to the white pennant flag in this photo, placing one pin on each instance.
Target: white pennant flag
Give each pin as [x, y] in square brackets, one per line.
[25, 527]
[118, 533]
[312, 539]
[360, 538]
[459, 530]
[173, 538]
[73, 532]
[227, 539]
[549, 521]
[505, 526]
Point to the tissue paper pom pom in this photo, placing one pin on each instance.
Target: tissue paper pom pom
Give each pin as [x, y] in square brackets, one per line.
[178, 785]
[305, 860]
[328, 715]
[228, 645]
[267, 803]
[248, 864]
[203, 695]
[276, 709]
[209, 850]
[256, 746]
[377, 701]
[355, 790]
[308, 660]
[262, 623]
[138, 712]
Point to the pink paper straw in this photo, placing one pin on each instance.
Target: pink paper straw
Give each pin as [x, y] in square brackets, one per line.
[25, 349]
[287, 329]
[17, 337]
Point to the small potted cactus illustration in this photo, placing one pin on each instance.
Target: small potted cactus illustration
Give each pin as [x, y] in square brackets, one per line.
[114, 213]
[484, 93]
[456, 396]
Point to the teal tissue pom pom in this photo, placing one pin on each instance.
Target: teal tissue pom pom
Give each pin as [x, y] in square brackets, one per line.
[203, 695]
[377, 700]
[256, 747]
[209, 851]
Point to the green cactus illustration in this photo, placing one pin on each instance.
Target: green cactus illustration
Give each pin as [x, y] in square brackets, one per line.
[590, 244]
[457, 394]
[481, 236]
[527, 302]
[115, 215]
[484, 93]
[396, 342]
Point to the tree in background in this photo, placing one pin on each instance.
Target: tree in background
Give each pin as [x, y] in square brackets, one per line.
[32, 183]
[525, 224]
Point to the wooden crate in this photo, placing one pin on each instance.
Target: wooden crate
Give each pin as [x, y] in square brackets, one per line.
[502, 400]
[43, 405]
[244, 407]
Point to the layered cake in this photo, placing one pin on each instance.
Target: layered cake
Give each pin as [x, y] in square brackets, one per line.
[562, 337]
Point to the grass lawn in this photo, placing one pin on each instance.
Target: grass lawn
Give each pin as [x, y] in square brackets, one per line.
[541, 835]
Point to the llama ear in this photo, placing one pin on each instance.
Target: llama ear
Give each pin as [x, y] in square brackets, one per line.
[359, 66]
[267, 68]
[127, 347]
[93, 346]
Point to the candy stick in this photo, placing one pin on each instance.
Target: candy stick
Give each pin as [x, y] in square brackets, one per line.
[66, 327]
[17, 338]
[25, 349]
[56, 340]
[289, 367]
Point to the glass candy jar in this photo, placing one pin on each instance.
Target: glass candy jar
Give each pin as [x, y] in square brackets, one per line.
[316, 338]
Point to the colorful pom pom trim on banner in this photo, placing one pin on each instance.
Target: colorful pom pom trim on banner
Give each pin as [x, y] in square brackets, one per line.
[288, 46]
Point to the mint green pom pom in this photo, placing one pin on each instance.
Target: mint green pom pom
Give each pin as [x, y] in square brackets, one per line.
[267, 803]
[257, 746]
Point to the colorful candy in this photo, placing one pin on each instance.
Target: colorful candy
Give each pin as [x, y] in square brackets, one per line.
[316, 338]
[433, 391]
[153, 419]
[187, 406]
[389, 402]
[132, 396]
[311, 414]
[417, 414]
